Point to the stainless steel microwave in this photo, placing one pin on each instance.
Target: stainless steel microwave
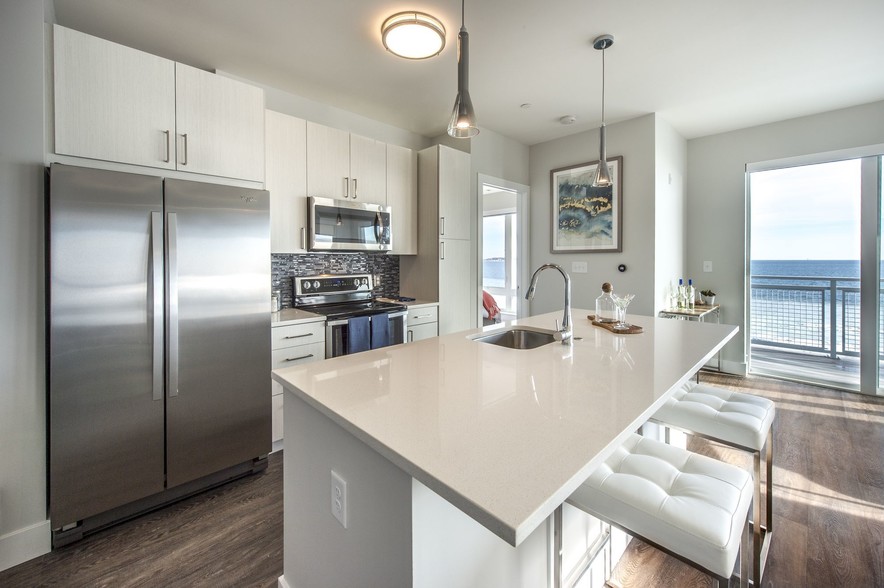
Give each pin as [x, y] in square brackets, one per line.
[342, 225]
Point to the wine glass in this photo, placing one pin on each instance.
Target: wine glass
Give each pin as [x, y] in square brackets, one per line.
[622, 302]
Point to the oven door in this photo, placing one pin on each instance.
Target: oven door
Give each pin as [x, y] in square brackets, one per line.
[337, 333]
[339, 225]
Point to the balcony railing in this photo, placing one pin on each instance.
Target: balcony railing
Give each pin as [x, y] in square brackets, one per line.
[820, 314]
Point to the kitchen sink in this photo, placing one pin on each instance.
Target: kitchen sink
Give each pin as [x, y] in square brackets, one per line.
[518, 338]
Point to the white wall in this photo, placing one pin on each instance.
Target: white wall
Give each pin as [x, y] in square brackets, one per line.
[716, 188]
[669, 220]
[634, 140]
[24, 531]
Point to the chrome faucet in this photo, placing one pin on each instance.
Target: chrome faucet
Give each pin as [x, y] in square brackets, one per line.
[563, 334]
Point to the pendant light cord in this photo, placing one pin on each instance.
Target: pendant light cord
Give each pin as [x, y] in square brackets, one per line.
[603, 86]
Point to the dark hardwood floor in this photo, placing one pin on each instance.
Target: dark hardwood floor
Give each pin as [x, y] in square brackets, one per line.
[229, 536]
[828, 505]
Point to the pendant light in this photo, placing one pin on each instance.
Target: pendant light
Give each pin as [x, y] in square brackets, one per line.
[463, 119]
[602, 176]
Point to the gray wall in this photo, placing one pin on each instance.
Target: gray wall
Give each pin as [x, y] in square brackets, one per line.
[23, 529]
[669, 219]
[716, 187]
[634, 140]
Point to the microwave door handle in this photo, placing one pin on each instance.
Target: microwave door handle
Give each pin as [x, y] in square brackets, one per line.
[378, 227]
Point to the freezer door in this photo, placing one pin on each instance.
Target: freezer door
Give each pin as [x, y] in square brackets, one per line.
[105, 271]
[218, 405]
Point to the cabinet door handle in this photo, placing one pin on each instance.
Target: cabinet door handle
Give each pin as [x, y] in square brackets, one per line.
[442, 250]
[298, 336]
[417, 316]
[346, 187]
[441, 225]
[298, 358]
[184, 161]
[303, 238]
[168, 150]
[355, 189]
[410, 335]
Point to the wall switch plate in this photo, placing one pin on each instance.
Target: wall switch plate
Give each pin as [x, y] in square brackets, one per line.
[707, 266]
[578, 267]
[339, 498]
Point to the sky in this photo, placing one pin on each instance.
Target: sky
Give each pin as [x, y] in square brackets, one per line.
[493, 237]
[807, 212]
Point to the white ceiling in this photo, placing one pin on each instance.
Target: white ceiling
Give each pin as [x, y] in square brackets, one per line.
[705, 66]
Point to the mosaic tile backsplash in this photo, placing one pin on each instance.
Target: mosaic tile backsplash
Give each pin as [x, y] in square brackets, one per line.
[285, 266]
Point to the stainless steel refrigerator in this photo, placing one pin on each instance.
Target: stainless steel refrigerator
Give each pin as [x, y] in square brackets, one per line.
[158, 342]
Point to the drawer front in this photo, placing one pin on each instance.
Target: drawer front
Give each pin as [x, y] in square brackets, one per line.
[290, 356]
[424, 331]
[420, 316]
[297, 334]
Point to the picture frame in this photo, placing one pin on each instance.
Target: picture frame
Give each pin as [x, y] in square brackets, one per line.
[586, 219]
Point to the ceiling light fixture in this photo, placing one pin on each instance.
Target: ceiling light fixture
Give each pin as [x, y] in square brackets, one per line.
[463, 118]
[602, 176]
[413, 35]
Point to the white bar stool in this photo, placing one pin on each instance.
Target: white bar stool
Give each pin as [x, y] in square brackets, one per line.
[738, 420]
[692, 507]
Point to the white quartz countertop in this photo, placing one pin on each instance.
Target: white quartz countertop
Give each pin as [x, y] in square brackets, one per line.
[293, 316]
[506, 435]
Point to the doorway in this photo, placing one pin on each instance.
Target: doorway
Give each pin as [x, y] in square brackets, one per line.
[815, 311]
[503, 247]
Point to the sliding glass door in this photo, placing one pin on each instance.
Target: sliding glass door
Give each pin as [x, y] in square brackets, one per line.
[815, 304]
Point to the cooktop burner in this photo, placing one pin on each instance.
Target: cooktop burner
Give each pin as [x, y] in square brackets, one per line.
[352, 309]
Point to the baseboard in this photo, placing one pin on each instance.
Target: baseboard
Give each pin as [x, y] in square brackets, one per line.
[23, 544]
[281, 583]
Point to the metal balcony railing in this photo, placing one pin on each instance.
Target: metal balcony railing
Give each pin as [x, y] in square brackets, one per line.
[811, 313]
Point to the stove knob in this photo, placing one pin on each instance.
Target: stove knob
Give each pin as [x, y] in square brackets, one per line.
[356, 282]
[365, 281]
[316, 284]
[306, 285]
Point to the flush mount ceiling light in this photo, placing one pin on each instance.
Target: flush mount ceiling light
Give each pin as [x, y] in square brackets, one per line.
[463, 119]
[602, 176]
[413, 35]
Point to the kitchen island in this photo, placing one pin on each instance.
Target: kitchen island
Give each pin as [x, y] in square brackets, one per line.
[456, 452]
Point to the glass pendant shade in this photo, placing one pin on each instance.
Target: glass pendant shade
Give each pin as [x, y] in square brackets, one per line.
[413, 35]
[463, 118]
[602, 176]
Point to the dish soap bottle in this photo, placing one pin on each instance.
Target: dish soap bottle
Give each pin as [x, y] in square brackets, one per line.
[605, 309]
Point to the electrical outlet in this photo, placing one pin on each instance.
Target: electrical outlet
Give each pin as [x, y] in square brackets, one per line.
[707, 266]
[578, 267]
[339, 498]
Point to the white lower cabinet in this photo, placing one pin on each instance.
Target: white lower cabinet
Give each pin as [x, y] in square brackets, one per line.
[423, 322]
[293, 345]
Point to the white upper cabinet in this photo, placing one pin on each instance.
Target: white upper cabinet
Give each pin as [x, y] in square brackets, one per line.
[341, 165]
[328, 161]
[402, 198]
[286, 179]
[454, 193]
[220, 125]
[368, 169]
[119, 104]
[112, 102]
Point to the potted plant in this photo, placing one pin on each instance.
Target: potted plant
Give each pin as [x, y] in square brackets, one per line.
[707, 296]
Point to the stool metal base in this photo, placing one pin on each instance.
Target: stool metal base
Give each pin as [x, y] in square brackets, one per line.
[761, 533]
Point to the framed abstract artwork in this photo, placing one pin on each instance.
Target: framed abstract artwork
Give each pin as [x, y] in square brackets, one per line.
[586, 219]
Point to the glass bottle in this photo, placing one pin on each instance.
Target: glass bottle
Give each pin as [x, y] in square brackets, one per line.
[692, 294]
[605, 309]
[681, 293]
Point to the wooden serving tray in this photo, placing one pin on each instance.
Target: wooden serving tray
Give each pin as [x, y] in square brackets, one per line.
[632, 330]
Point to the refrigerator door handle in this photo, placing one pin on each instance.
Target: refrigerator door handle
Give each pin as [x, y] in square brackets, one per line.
[156, 276]
[172, 316]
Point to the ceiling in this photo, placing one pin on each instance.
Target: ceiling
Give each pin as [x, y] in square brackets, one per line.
[705, 66]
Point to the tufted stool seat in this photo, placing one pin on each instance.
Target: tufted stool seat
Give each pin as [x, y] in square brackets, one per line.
[690, 506]
[732, 418]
